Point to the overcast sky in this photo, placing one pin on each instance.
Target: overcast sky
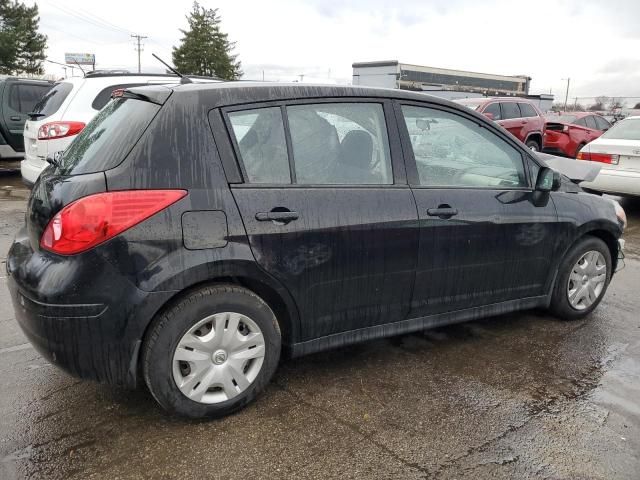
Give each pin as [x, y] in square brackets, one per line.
[594, 42]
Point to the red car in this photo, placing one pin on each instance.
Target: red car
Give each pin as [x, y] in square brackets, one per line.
[567, 133]
[519, 116]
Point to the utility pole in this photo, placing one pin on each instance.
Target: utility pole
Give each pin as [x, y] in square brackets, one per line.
[139, 47]
[566, 97]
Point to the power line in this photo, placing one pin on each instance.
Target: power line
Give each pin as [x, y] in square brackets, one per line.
[87, 20]
[64, 32]
[139, 47]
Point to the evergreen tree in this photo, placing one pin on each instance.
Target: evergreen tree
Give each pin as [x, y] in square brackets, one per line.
[21, 45]
[204, 48]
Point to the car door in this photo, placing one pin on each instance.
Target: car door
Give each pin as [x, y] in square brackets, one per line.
[485, 237]
[19, 99]
[327, 209]
[512, 119]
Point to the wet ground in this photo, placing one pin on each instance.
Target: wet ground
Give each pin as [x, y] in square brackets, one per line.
[517, 396]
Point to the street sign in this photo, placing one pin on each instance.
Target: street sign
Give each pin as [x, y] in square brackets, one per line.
[80, 58]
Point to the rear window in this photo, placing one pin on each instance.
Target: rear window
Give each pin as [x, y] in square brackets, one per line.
[625, 130]
[109, 137]
[52, 100]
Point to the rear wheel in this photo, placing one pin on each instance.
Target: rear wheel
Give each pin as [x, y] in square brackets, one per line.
[582, 279]
[533, 145]
[212, 352]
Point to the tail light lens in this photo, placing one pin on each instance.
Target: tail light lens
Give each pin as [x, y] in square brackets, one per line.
[599, 157]
[52, 130]
[94, 219]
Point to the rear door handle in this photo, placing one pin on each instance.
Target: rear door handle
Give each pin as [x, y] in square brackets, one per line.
[284, 217]
[442, 212]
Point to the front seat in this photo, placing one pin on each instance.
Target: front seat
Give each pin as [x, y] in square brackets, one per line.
[354, 159]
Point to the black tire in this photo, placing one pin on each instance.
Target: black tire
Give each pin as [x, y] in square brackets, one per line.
[560, 305]
[533, 145]
[172, 324]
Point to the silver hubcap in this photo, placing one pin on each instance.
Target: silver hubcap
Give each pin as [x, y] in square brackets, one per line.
[218, 358]
[587, 280]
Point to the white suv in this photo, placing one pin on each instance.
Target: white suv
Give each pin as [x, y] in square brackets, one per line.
[64, 111]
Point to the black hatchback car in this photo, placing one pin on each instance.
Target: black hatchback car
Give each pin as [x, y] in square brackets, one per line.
[192, 233]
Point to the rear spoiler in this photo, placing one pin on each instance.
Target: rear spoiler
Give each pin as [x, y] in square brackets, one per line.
[157, 94]
[576, 170]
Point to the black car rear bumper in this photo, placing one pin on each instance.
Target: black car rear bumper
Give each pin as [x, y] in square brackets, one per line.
[93, 339]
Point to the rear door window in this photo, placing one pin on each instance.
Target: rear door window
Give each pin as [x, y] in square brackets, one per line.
[510, 110]
[494, 109]
[259, 135]
[52, 100]
[108, 137]
[591, 123]
[24, 97]
[340, 143]
[580, 122]
[527, 110]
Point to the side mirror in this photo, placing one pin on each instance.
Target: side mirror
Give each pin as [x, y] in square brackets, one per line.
[488, 115]
[548, 180]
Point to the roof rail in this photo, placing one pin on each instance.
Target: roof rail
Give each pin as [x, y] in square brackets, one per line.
[120, 73]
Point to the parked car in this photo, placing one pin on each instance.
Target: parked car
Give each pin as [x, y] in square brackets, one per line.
[567, 133]
[18, 96]
[62, 114]
[618, 149]
[517, 115]
[191, 233]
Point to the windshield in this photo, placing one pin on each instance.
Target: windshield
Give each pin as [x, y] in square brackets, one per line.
[109, 137]
[628, 129]
[52, 100]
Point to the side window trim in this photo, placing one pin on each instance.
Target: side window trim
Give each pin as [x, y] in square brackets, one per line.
[289, 143]
[410, 161]
[398, 165]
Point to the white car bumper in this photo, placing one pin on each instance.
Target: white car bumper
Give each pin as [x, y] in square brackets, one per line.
[615, 181]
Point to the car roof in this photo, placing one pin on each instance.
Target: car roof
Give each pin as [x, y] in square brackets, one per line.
[238, 92]
[24, 79]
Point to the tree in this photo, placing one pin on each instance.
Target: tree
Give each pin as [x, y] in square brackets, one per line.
[616, 103]
[21, 45]
[636, 106]
[205, 49]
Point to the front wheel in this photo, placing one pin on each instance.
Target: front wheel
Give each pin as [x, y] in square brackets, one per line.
[582, 279]
[533, 145]
[212, 352]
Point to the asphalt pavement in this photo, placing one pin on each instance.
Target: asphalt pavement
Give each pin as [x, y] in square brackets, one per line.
[516, 396]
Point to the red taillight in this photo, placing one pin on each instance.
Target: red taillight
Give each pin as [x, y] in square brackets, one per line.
[52, 130]
[91, 220]
[599, 157]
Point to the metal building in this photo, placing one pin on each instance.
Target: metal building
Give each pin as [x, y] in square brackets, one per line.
[393, 74]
